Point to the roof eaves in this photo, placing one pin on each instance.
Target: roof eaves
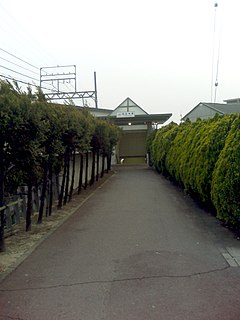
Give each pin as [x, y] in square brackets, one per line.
[186, 116]
[209, 105]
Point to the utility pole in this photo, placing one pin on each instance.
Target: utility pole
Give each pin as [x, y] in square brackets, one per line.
[95, 88]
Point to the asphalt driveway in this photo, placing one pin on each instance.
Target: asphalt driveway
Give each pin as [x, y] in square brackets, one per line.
[138, 248]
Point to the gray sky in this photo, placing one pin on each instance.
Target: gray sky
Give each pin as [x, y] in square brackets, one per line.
[159, 53]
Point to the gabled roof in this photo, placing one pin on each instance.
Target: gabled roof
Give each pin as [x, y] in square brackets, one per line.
[227, 108]
[128, 111]
[209, 105]
[130, 105]
[221, 108]
[214, 106]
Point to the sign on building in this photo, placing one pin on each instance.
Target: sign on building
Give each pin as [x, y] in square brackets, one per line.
[126, 114]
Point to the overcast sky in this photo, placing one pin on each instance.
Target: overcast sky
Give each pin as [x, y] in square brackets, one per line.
[158, 53]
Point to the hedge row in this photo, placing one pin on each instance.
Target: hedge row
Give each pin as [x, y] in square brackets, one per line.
[204, 158]
[39, 139]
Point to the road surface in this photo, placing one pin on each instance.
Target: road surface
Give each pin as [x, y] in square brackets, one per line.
[138, 248]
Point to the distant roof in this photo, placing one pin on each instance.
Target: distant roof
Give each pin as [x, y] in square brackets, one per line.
[235, 100]
[225, 108]
[221, 108]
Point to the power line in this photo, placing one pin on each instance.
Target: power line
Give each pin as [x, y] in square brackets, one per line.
[20, 34]
[19, 58]
[18, 65]
[68, 74]
[22, 74]
[16, 56]
[24, 82]
[9, 53]
[52, 85]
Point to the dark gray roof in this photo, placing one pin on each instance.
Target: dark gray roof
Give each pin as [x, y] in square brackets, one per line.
[221, 108]
[225, 108]
[235, 100]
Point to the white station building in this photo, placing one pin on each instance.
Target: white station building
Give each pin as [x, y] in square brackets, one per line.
[136, 124]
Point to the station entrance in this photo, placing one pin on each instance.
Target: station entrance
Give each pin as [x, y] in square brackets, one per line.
[136, 124]
[132, 147]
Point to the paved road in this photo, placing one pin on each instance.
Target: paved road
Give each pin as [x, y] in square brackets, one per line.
[137, 249]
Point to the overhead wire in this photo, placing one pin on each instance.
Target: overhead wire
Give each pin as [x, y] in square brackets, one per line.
[18, 65]
[24, 61]
[13, 55]
[24, 82]
[20, 34]
[62, 82]
[27, 76]
[27, 63]
[9, 77]
[23, 35]
[22, 74]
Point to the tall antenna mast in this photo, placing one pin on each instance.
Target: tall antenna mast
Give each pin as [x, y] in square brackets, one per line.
[214, 84]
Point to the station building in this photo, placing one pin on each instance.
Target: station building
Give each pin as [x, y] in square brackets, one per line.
[136, 124]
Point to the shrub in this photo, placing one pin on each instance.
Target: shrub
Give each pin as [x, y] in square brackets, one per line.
[226, 178]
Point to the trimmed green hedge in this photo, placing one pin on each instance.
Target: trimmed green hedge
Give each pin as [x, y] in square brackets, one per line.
[161, 144]
[39, 139]
[204, 158]
[225, 189]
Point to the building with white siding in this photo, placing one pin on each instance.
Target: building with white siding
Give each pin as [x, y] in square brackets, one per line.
[136, 124]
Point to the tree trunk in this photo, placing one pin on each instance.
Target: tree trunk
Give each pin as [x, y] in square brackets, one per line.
[50, 189]
[29, 204]
[43, 192]
[86, 173]
[60, 199]
[73, 175]
[2, 242]
[80, 174]
[47, 200]
[67, 179]
[56, 175]
[97, 175]
[103, 165]
[108, 162]
[93, 168]
[36, 195]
